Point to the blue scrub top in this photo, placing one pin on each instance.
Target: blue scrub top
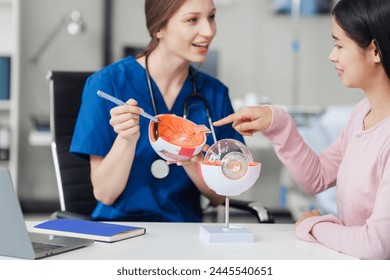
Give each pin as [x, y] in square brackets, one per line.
[171, 199]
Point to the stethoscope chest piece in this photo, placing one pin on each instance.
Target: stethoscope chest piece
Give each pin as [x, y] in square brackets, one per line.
[159, 169]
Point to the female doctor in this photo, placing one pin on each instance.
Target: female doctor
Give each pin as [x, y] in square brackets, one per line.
[126, 181]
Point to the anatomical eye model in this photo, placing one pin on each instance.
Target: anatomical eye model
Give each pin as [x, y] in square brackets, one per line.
[175, 138]
[228, 169]
[180, 131]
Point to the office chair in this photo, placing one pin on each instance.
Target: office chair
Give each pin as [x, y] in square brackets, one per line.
[73, 172]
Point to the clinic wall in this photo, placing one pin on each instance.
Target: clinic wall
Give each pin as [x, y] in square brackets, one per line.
[84, 52]
[254, 56]
[255, 52]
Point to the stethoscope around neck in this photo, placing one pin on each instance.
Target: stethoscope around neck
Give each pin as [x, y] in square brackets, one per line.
[160, 168]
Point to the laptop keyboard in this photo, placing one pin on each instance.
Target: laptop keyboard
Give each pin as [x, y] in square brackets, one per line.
[42, 247]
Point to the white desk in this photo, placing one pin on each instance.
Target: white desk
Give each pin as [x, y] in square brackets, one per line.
[174, 241]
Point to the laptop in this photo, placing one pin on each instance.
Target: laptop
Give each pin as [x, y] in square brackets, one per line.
[15, 240]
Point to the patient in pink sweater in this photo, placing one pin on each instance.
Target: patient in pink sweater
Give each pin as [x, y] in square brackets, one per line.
[358, 162]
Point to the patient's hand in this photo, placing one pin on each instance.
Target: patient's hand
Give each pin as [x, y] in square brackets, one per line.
[249, 120]
[307, 215]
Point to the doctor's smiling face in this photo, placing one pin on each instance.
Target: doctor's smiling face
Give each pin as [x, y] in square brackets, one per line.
[189, 32]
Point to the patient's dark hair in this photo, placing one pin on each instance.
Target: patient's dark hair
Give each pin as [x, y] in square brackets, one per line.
[365, 21]
[157, 13]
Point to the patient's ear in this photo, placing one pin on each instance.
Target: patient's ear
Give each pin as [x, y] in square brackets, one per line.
[376, 51]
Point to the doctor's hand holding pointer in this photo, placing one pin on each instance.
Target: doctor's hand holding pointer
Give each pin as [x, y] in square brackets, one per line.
[159, 80]
[125, 120]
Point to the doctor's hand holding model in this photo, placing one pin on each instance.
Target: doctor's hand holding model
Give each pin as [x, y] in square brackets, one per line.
[160, 81]
[359, 160]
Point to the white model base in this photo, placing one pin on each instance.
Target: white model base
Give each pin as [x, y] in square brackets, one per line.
[220, 234]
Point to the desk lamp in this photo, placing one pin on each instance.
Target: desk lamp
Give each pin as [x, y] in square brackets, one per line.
[229, 170]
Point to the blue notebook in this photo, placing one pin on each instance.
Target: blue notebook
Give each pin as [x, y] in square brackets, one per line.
[99, 231]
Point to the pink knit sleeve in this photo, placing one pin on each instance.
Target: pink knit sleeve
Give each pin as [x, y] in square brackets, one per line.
[304, 229]
[367, 241]
[312, 172]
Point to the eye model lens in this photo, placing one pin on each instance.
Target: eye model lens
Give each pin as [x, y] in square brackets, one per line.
[234, 165]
